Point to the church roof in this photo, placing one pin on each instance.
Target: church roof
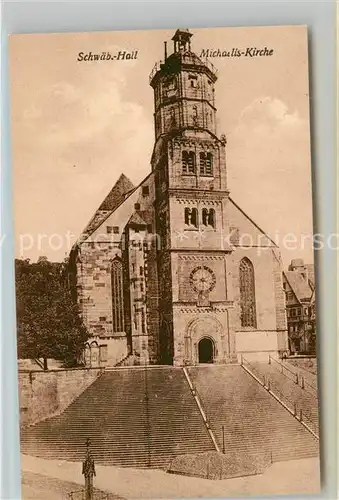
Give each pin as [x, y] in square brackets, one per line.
[117, 193]
[115, 197]
[252, 222]
[299, 285]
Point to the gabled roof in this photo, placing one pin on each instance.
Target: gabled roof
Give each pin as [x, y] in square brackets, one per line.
[299, 285]
[115, 197]
[136, 220]
[252, 222]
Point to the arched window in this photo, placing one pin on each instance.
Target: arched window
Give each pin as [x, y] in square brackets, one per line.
[209, 164]
[247, 294]
[206, 163]
[188, 162]
[117, 296]
[208, 217]
[191, 217]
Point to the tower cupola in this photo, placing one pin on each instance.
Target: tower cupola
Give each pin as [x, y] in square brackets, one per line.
[182, 41]
[183, 87]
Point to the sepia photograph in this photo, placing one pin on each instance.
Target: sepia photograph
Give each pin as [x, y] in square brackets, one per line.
[164, 264]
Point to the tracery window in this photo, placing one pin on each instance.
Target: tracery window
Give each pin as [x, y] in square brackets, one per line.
[247, 294]
[191, 217]
[188, 162]
[117, 296]
[206, 163]
[208, 217]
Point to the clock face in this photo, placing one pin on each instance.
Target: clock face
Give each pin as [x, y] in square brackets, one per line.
[202, 279]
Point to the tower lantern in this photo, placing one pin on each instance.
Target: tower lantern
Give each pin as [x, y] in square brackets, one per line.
[182, 41]
[183, 90]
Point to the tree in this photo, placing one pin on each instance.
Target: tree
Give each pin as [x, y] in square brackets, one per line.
[48, 320]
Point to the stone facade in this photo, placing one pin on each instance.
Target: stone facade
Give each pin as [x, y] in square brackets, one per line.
[43, 394]
[173, 271]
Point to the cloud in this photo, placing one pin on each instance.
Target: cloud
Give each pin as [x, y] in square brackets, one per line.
[79, 136]
[268, 112]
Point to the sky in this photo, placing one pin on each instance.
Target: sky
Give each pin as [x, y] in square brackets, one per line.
[76, 126]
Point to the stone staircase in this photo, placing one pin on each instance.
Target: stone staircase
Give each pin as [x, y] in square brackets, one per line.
[309, 377]
[134, 417]
[253, 421]
[289, 388]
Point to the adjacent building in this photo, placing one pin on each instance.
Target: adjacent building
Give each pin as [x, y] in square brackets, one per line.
[300, 307]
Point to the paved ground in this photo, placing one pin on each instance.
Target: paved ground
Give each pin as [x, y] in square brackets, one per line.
[39, 487]
[284, 478]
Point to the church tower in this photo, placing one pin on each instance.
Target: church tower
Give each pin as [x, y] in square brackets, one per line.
[189, 164]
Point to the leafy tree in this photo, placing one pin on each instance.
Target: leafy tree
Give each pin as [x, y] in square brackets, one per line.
[48, 320]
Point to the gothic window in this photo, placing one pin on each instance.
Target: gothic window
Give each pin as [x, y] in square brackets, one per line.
[117, 296]
[206, 163]
[188, 162]
[208, 217]
[247, 294]
[191, 217]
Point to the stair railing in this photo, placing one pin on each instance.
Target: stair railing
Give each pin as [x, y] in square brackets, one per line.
[253, 371]
[283, 369]
[297, 378]
[304, 417]
[308, 387]
[302, 414]
[198, 400]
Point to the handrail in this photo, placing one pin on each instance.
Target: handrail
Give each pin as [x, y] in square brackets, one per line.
[298, 378]
[304, 382]
[291, 406]
[198, 400]
[258, 375]
[294, 375]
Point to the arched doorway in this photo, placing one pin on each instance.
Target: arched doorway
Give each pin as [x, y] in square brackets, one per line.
[205, 350]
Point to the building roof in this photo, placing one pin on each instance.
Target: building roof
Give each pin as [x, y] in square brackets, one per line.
[115, 197]
[182, 32]
[252, 222]
[299, 285]
[136, 220]
[117, 193]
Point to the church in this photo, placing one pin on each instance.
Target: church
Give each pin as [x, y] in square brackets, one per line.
[169, 271]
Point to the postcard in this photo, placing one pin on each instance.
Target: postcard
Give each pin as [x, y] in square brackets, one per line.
[165, 290]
